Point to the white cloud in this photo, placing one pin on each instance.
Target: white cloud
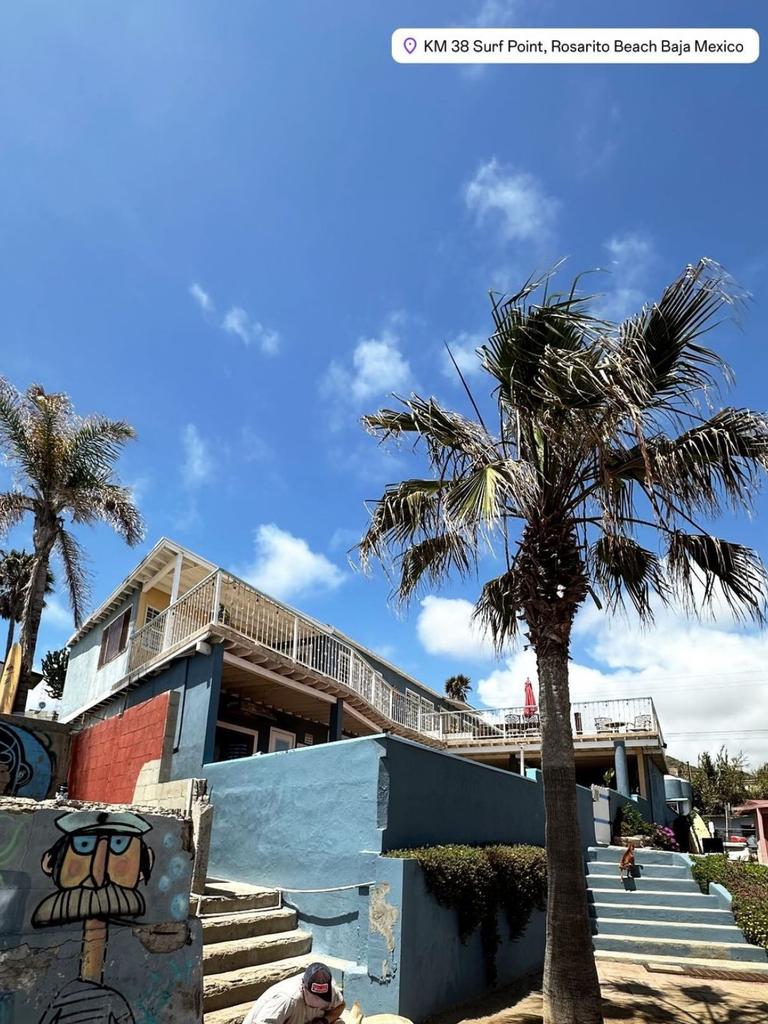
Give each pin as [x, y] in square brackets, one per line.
[514, 200]
[445, 626]
[201, 297]
[198, 461]
[706, 678]
[496, 13]
[237, 321]
[378, 367]
[56, 614]
[464, 350]
[286, 567]
[632, 257]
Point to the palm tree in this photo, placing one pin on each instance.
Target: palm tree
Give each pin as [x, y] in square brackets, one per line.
[15, 571]
[457, 687]
[603, 455]
[65, 471]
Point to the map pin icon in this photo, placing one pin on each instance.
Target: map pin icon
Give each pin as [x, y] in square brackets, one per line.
[410, 44]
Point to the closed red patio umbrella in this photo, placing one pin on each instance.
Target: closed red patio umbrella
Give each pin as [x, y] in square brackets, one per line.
[530, 708]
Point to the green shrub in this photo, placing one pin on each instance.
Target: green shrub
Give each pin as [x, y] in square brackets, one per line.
[632, 823]
[478, 881]
[747, 884]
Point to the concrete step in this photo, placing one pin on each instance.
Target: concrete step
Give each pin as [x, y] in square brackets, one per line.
[235, 988]
[652, 897]
[259, 949]
[679, 947]
[650, 912]
[613, 854]
[258, 899]
[684, 930]
[597, 867]
[663, 884]
[244, 925]
[675, 962]
[229, 1015]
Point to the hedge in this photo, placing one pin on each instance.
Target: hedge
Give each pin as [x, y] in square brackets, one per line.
[479, 881]
[747, 884]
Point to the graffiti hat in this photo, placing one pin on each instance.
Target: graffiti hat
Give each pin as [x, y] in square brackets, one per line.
[318, 985]
[118, 823]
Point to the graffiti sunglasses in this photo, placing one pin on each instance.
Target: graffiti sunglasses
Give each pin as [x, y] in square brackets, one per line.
[87, 844]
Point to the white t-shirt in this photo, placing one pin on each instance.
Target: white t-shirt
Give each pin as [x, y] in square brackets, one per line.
[284, 1003]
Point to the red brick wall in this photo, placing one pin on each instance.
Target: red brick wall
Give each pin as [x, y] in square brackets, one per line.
[107, 758]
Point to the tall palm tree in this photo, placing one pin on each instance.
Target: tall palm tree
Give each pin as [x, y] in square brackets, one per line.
[603, 454]
[64, 467]
[457, 687]
[15, 572]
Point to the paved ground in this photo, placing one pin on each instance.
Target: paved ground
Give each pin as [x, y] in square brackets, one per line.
[634, 995]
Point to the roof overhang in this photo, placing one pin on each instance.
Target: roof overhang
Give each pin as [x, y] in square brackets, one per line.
[161, 555]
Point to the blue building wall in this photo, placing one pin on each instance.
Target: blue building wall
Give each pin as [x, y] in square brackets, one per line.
[85, 682]
[322, 816]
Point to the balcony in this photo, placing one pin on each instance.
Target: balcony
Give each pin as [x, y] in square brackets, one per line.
[593, 723]
[255, 626]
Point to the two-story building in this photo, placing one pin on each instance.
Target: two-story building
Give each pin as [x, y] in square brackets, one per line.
[249, 675]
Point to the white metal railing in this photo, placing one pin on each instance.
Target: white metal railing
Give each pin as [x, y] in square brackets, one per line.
[223, 599]
[632, 716]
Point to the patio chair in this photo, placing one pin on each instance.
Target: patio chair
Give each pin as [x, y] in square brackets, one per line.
[642, 723]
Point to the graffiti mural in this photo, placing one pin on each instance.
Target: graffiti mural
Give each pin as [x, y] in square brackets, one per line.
[26, 765]
[97, 867]
[94, 917]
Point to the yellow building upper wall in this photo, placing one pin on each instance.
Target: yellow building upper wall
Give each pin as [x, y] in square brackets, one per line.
[152, 598]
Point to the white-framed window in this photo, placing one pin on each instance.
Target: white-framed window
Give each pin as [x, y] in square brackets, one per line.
[114, 638]
[150, 613]
[281, 739]
[235, 741]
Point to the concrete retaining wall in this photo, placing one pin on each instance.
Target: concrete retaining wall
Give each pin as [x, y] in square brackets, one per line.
[320, 817]
[56, 958]
[35, 756]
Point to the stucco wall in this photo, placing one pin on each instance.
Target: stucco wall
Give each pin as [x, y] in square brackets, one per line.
[35, 756]
[85, 681]
[320, 817]
[430, 948]
[151, 964]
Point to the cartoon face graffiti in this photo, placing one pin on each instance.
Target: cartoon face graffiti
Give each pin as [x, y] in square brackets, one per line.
[96, 866]
[15, 771]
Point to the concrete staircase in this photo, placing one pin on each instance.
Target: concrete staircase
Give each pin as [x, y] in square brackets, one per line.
[661, 915]
[250, 941]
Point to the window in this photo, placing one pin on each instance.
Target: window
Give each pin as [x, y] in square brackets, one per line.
[114, 639]
[280, 739]
[150, 613]
[234, 741]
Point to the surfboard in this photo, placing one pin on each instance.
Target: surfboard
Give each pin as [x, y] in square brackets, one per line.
[9, 681]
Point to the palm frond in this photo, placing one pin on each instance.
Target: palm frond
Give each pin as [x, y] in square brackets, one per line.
[96, 445]
[404, 512]
[76, 576]
[13, 507]
[452, 440]
[621, 566]
[663, 356]
[699, 564]
[500, 607]
[433, 560]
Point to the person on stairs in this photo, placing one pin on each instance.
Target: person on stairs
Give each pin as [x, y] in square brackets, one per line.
[311, 996]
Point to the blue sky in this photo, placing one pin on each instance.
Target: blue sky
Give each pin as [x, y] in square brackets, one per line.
[240, 225]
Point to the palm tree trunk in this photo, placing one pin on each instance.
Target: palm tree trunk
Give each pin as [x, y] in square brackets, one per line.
[9, 640]
[571, 985]
[44, 537]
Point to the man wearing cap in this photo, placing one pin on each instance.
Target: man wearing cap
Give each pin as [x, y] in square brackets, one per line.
[311, 996]
[96, 866]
